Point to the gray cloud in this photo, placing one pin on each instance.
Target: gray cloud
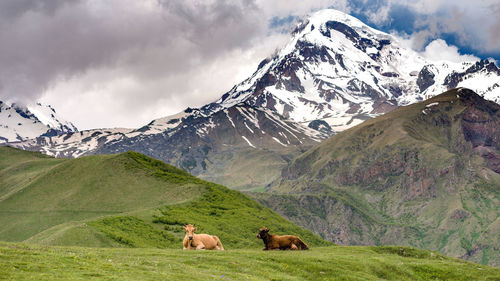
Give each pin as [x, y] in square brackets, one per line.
[125, 62]
[133, 60]
[494, 30]
[45, 46]
[44, 42]
[13, 9]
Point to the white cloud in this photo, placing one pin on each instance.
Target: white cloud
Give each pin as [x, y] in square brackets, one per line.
[440, 50]
[125, 62]
[110, 97]
[379, 16]
[425, 6]
[474, 24]
[284, 8]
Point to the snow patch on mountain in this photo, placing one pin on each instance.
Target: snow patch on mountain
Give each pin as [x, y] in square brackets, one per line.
[18, 122]
[249, 143]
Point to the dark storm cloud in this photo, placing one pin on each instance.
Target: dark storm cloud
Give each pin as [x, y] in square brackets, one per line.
[42, 42]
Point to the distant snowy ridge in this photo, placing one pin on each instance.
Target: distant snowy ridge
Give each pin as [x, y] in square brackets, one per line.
[258, 128]
[20, 123]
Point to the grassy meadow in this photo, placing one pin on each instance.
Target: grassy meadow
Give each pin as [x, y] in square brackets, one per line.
[123, 200]
[30, 262]
[120, 217]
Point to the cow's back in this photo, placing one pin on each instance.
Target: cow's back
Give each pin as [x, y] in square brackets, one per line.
[208, 240]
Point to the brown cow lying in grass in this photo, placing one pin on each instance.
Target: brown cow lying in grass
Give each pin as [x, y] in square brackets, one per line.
[281, 242]
[194, 241]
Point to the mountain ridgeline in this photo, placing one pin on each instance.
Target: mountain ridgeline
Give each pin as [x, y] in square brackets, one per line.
[334, 73]
[425, 175]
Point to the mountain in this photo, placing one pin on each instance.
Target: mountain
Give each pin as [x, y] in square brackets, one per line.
[123, 200]
[338, 70]
[334, 73]
[426, 175]
[20, 123]
[239, 146]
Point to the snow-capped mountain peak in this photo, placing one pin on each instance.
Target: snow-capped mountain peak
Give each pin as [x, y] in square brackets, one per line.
[337, 69]
[20, 122]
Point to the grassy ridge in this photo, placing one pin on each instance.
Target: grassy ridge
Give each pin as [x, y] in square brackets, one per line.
[233, 217]
[27, 262]
[115, 201]
[56, 191]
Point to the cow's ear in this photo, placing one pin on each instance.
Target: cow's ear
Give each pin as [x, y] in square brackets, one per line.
[266, 230]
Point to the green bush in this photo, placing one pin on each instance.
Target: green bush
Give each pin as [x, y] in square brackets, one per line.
[133, 232]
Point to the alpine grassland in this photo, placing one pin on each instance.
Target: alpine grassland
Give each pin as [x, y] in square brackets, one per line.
[120, 217]
[34, 262]
[123, 200]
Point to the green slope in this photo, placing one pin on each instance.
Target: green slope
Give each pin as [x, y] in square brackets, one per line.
[424, 175]
[29, 262]
[57, 191]
[122, 200]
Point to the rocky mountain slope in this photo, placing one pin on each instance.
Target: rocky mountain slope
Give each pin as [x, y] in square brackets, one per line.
[334, 73]
[20, 123]
[241, 146]
[425, 175]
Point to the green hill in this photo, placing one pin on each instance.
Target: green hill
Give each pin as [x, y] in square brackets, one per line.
[122, 200]
[30, 262]
[101, 217]
[425, 175]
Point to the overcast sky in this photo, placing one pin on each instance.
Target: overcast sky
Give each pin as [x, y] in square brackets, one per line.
[122, 63]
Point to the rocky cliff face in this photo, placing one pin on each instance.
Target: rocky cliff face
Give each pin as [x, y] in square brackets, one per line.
[481, 127]
[424, 175]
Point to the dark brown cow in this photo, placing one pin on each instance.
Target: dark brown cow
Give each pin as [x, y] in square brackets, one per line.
[280, 242]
